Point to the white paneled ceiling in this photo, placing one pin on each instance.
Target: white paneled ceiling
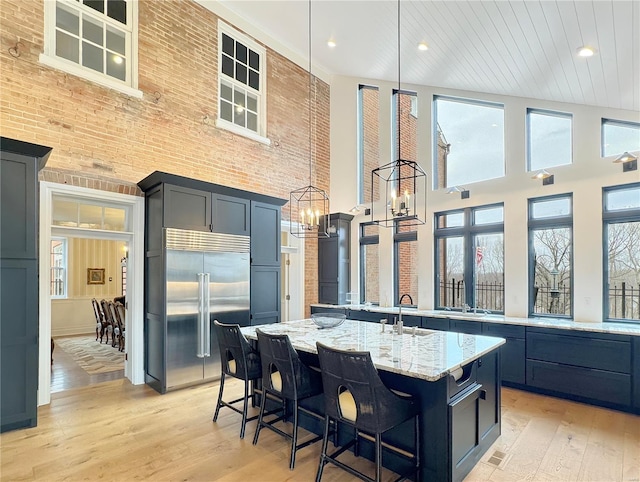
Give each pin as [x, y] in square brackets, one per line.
[520, 48]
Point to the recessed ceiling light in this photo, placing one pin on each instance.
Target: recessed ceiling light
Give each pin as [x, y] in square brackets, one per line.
[423, 46]
[586, 51]
[331, 43]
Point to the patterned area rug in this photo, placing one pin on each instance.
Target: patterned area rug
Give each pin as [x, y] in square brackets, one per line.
[94, 357]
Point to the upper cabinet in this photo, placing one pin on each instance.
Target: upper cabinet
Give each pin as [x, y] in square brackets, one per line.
[202, 206]
[187, 208]
[197, 210]
[265, 234]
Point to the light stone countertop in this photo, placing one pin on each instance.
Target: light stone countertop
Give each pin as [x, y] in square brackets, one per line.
[632, 329]
[430, 355]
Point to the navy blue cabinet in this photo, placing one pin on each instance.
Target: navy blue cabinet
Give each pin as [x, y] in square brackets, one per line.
[441, 324]
[322, 309]
[19, 329]
[512, 353]
[334, 261]
[464, 326]
[588, 366]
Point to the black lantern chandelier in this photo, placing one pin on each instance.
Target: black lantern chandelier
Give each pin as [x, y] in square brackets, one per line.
[309, 206]
[404, 181]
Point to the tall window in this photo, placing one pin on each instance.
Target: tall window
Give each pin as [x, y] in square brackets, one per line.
[621, 218]
[241, 84]
[551, 256]
[405, 242]
[95, 39]
[369, 263]
[58, 278]
[619, 137]
[368, 141]
[405, 125]
[470, 258]
[548, 139]
[472, 133]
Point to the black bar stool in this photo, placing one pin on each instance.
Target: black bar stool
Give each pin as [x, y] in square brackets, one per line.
[356, 396]
[240, 361]
[287, 378]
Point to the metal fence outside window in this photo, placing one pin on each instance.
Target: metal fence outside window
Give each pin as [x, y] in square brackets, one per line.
[624, 302]
[490, 295]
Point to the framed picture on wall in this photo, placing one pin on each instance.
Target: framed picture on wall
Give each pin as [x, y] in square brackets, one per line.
[95, 276]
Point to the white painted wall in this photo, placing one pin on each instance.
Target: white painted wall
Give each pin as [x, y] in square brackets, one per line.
[584, 178]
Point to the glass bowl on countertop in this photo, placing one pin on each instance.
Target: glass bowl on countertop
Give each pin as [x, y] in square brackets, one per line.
[328, 320]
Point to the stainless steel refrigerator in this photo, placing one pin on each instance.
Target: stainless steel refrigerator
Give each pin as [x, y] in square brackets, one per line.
[207, 278]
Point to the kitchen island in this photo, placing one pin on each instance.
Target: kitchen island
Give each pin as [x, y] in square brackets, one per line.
[455, 376]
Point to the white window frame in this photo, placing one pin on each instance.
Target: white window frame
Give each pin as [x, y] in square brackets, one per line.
[49, 58]
[259, 136]
[65, 267]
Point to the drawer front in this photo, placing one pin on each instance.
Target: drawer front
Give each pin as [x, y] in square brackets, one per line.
[468, 327]
[411, 320]
[441, 324]
[583, 382]
[603, 354]
[503, 331]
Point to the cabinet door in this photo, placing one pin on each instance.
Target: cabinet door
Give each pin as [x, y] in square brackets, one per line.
[328, 270]
[265, 294]
[512, 353]
[230, 215]
[265, 234]
[468, 327]
[18, 206]
[19, 350]
[463, 423]
[441, 324]
[187, 208]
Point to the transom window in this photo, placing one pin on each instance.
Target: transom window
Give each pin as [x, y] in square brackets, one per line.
[368, 142]
[71, 213]
[621, 219]
[95, 39]
[241, 83]
[548, 139]
[619, 137]
[551, 256]
[468, 141]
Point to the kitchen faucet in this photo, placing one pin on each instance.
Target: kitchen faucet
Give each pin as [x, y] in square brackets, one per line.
[400, 305]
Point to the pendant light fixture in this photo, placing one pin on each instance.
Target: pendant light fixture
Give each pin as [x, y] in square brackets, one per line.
[309, 206]
[404, 181]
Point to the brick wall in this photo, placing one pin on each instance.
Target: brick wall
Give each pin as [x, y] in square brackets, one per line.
[106, 140]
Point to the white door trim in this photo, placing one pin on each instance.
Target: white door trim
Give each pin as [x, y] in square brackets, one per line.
[134, 365]
[296, 272]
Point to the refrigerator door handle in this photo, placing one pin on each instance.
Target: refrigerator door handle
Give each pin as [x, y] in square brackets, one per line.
[201, 312]
[206, 347]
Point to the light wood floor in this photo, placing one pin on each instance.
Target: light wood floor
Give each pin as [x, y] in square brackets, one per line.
[116, 431]
[67, 374]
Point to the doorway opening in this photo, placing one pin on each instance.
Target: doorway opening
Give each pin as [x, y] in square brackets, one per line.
[98, 225]
[292, 276]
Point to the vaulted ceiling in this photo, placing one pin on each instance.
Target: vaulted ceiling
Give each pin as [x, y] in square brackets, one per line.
[520, 48]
